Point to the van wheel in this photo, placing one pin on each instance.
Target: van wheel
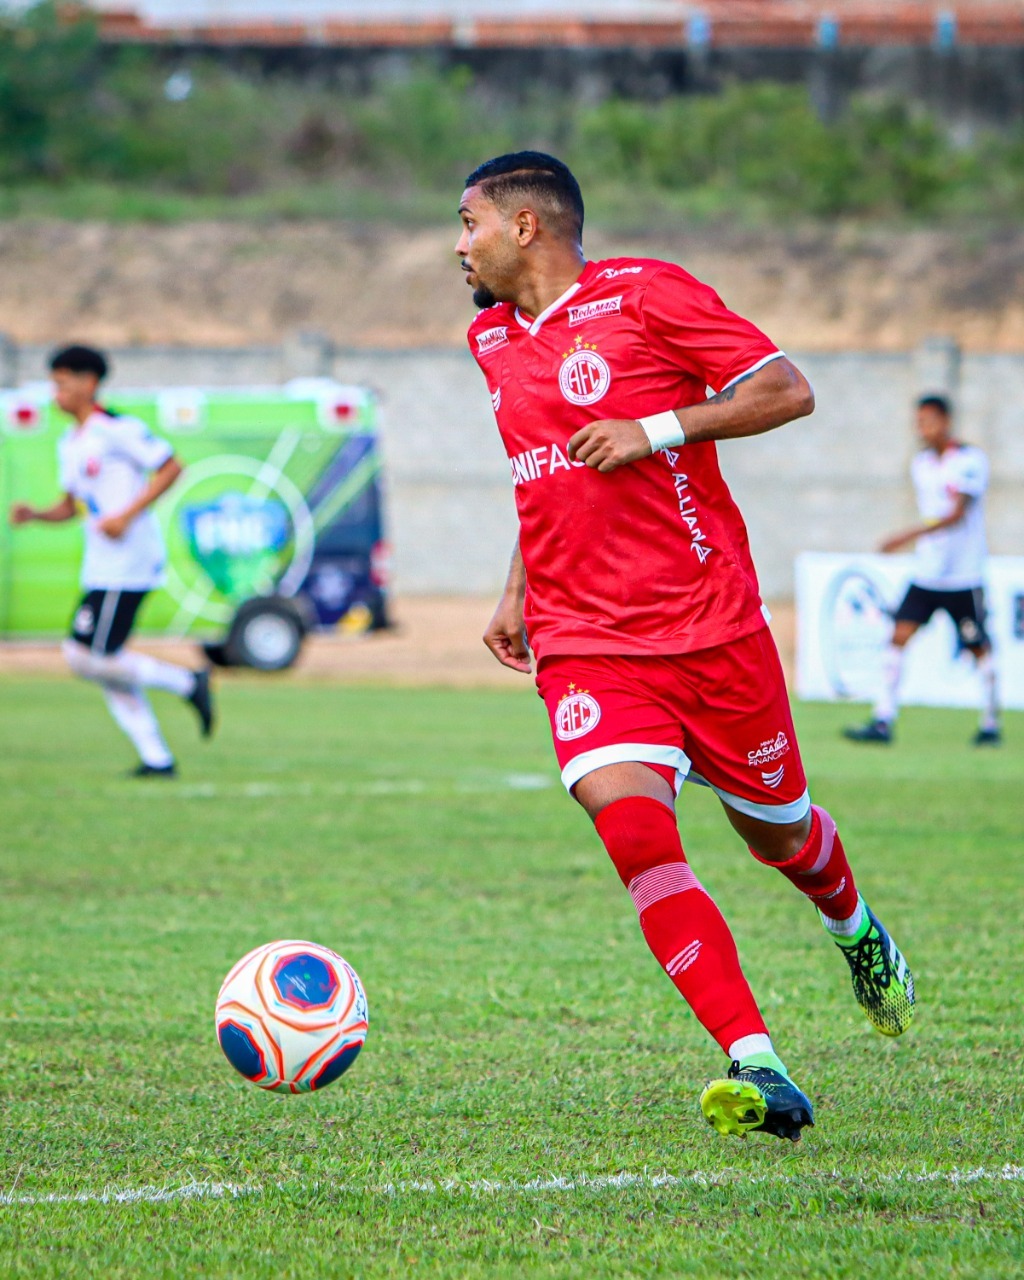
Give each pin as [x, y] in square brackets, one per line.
[266, 634]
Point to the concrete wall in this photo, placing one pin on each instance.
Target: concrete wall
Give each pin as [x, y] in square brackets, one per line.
[835, 482]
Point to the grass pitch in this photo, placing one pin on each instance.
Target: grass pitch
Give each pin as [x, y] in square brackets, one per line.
[526, 1103]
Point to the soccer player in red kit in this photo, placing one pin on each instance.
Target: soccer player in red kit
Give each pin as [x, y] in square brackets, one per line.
[633, 586]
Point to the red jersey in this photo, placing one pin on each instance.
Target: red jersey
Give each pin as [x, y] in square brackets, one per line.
[652, 558]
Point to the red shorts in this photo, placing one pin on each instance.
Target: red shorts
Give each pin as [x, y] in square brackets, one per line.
[718, 716]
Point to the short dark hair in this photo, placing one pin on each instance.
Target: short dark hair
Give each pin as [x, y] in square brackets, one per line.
[537, 176]
[934, 401]
[77, 359]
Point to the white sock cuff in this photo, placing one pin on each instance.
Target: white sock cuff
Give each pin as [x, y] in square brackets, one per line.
[745, 1046]
[845, 928]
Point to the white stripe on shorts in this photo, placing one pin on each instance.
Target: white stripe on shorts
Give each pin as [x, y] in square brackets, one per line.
[792, 812]
[626, 753]
[108, 609]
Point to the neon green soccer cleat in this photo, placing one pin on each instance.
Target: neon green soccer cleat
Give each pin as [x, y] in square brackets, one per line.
[882, 981]
[756, 1098]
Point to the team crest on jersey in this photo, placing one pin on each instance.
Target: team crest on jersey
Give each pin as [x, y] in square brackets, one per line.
[592, 310]
[576, 714]
[84, 621]
[491, 339]
[584, 376]
[92, 468]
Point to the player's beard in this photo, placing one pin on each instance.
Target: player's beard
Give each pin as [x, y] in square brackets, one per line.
[502, 265]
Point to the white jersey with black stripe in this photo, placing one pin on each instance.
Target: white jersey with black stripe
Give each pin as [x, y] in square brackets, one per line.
[104, 464]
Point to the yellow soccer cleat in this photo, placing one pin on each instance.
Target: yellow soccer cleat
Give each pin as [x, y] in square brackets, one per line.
[756, 1098]
[882, 982]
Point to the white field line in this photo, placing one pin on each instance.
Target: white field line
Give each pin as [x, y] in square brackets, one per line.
[369, 787]
[492, 1186]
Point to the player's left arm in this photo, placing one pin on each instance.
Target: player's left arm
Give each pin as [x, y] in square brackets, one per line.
[900, 540]
[117, 524]
[769, 397]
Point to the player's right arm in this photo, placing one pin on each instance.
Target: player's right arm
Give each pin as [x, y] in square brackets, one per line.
[64, 509]
[506, 632]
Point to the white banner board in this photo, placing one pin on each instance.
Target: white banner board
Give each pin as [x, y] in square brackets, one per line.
[844, 606]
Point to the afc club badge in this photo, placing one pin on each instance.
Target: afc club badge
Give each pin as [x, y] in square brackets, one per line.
[584, 376]
[576, 714]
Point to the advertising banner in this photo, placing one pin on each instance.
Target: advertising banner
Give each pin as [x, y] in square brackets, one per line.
[844, 606]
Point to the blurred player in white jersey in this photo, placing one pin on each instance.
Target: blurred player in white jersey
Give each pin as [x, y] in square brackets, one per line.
[116, 469]
[950, 480]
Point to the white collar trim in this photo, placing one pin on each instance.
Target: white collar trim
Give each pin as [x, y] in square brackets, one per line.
[534, 328]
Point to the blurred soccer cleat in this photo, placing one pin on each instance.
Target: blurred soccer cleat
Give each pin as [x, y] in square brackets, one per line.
[154, 771]
[882, 981]
[873, 731]
[201, 698]
[987, 738]
[756, 1098]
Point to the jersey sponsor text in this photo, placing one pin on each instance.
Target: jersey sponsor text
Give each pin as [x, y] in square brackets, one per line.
[491, 339]
[592, 310]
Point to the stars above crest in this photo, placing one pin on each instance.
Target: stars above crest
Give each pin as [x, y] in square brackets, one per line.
[579, 345]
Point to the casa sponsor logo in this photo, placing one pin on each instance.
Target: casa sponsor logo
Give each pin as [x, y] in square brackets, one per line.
[688, 510]
[768, 752]
[612, 273]
[576, 714]
[491, 339]
[592, 310]
[584, 376]
[538, 463]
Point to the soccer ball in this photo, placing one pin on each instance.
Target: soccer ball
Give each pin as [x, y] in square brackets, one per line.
[291, 1016]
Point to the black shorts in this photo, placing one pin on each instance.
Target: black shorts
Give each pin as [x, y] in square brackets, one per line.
[104, 619]
[966, 608]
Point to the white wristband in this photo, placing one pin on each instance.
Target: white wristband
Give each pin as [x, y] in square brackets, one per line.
[663, 430]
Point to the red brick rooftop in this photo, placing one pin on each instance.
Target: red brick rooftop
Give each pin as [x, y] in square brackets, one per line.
[582, 23]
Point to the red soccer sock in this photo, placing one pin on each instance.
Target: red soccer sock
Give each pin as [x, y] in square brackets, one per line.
[820, 870]
[683, 927]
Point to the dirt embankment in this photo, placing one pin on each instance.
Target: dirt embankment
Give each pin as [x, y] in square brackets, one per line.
[237, 284]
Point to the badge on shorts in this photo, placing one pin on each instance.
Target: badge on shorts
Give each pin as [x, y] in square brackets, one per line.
[84, 621]
[576, 714]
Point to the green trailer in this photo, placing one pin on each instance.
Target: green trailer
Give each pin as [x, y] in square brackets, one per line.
[274, 529]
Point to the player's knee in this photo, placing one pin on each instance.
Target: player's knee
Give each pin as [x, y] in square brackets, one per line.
[780, 842]
[639, 833]
[103, 668]
[78, 658]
